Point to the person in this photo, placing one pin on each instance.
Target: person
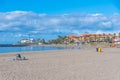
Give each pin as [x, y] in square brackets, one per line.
[18, 57]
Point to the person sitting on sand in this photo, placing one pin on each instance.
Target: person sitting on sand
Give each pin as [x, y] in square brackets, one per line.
[18, 57]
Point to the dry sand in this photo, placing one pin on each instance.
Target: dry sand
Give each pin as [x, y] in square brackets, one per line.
[85, 64]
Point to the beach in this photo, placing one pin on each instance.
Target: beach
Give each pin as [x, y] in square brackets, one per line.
[69, 64]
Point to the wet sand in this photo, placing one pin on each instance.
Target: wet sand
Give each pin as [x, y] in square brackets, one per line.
[84, 64]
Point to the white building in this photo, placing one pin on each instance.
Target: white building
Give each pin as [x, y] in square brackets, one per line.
[23, 41]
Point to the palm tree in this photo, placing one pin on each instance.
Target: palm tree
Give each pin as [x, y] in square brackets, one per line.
[119, 34]
[99, 38]
[114, 35]
[95, 37]
[60, 39]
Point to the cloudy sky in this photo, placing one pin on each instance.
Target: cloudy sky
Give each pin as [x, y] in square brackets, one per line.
[49, 18]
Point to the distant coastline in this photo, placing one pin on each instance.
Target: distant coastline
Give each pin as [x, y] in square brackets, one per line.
[13, 45]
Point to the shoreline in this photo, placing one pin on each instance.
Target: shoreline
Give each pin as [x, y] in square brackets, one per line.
[65, 47]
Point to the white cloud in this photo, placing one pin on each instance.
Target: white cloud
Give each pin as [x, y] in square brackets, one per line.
[106, 24]
[23, 21]
[96, 14]
[99, 32]
[54, 21]
[42, 15]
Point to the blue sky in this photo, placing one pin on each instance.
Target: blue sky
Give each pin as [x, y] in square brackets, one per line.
[61, 6]
[49, 18]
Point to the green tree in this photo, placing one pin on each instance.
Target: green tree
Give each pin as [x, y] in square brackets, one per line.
[119, 34]
[60, 39]
[95, 37]
[43, 41]
[114, 35]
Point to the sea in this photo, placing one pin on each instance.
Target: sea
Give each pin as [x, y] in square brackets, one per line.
[4, 50]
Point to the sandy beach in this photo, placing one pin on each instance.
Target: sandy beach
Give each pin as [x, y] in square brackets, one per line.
[83, 64]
